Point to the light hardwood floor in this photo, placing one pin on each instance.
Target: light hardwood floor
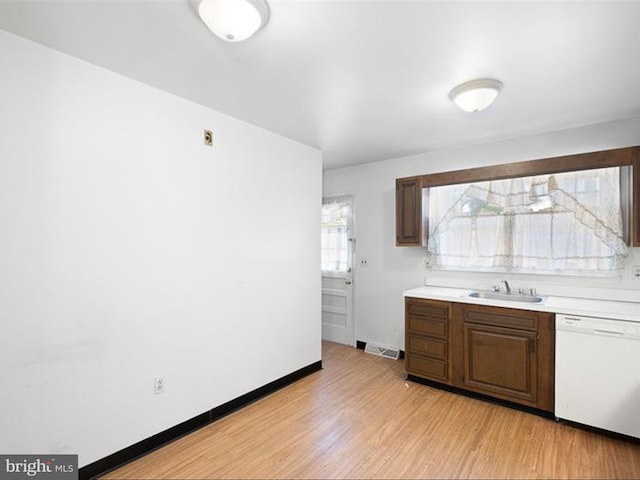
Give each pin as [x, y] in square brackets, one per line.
[359, 418]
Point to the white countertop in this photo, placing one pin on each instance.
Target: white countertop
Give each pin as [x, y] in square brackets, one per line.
[615, 310]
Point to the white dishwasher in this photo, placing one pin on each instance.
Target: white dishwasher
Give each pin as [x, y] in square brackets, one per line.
[598, 373]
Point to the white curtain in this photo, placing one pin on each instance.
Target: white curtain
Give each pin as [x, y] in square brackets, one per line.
[334, 240]
[568, 222]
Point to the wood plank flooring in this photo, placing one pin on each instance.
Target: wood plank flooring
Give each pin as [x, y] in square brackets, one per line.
[359, 418]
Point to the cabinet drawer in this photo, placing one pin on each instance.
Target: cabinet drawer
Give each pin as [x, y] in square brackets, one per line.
[427, 367]
[427, 346]
[437, 328]
[502, 317]
[427, 308]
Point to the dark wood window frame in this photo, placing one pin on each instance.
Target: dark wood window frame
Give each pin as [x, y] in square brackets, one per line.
[629, 156]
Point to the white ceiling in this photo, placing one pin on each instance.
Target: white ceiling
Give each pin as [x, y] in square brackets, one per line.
[367, 80]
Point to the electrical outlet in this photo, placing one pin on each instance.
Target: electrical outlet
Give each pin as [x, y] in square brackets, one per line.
[428, 263]
[363, 262]
[159, 385]
[635, 272]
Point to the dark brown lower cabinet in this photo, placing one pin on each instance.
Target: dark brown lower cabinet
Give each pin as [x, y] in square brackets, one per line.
[427, 339]
[500, 361]
[500, 352]
[505, 352]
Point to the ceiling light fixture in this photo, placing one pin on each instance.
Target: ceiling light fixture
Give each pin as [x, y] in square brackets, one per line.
[476, 95]
[234, 20]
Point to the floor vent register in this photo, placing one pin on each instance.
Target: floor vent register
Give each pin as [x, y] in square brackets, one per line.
[374, 349]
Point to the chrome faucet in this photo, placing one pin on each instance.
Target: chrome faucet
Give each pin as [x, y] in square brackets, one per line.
[506, 286]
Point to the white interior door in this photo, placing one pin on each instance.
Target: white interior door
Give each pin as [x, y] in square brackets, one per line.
[338, 248]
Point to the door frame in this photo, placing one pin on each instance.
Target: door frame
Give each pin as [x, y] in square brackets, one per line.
[350, 275]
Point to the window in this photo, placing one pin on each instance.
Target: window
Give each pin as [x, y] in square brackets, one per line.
[566, 222]
[334, 242]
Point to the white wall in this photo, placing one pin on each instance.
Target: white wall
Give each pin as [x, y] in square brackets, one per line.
[378, 286]
[130, 250]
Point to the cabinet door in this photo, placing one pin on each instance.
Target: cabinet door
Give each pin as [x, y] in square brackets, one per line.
[408, 212]
[501, 362]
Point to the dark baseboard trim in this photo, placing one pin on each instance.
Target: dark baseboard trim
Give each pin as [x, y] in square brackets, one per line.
[248, 398]
[480, 396]
[524, 408]
[535, 411]
[360, 345]
[600, 431]
[128, 454]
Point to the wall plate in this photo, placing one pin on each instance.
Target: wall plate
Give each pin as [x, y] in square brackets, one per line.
[208, 137]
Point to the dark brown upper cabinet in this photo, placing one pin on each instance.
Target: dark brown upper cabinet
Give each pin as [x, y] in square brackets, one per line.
[412, 192]
[408, 212]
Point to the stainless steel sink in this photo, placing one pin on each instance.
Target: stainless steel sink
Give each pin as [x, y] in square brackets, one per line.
[507, 297]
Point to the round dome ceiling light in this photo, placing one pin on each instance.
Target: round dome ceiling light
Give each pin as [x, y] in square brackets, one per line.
[234, 20]
[476, 95]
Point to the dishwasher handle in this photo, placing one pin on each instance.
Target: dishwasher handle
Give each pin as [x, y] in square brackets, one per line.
[608, 332]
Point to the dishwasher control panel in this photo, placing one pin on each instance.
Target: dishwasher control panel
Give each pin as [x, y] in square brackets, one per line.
[597, 326]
